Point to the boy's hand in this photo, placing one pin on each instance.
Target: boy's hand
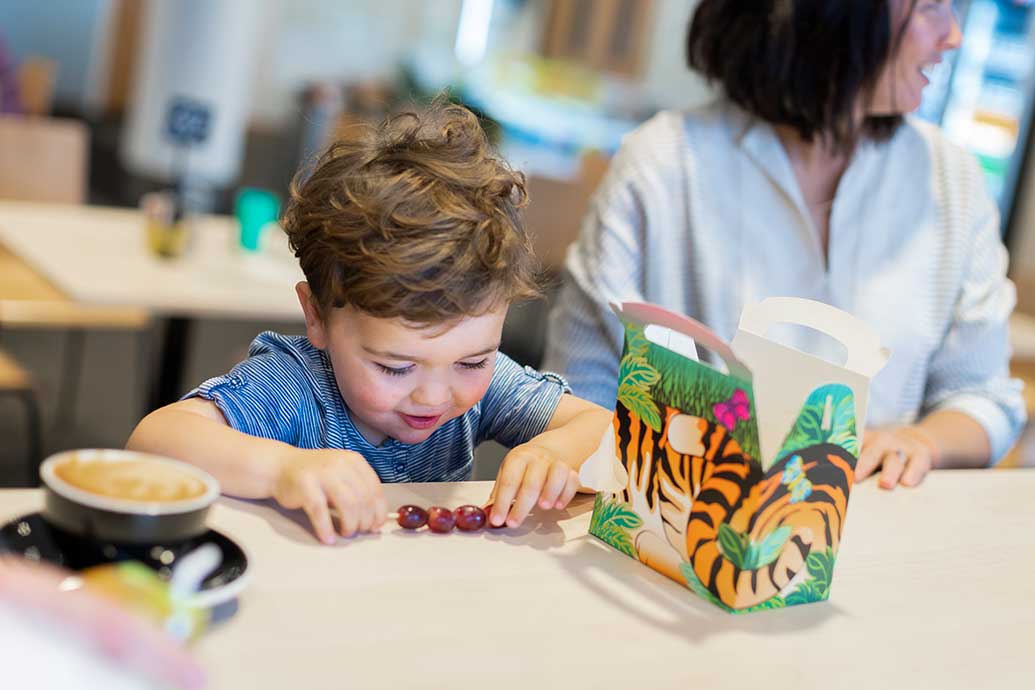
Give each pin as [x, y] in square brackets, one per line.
[530, 475]
[314, 479]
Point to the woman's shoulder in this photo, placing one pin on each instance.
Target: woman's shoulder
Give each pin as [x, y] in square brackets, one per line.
[920, 141]
[922, 158]
[660, 149]
[675, 128]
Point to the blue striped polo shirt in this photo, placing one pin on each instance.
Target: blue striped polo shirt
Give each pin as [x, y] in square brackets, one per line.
[286, 391]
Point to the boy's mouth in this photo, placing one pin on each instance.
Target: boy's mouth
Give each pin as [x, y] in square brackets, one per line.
[416, 422]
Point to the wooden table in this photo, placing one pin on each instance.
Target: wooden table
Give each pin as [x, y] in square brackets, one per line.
[934, 588]
[94, 255]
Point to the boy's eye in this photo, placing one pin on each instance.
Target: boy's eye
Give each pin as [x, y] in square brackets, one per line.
[394, 371]
[480, 364]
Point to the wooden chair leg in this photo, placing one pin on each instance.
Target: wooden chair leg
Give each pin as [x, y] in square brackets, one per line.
[146, 367]
[35, 435]
[71, 375]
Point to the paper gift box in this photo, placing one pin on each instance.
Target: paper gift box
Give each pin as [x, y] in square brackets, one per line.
[734, 483]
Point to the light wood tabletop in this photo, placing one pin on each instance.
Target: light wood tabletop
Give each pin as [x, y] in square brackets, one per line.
[94, 255]
[933, 588]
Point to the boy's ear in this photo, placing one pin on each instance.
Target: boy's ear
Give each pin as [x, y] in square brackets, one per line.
[314, 325]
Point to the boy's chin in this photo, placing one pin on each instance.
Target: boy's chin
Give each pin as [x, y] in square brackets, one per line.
[411, 436]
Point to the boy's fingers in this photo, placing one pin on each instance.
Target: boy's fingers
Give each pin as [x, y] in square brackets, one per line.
[370, 500]
[570, 489]
[344, 499]
[366, 473]
[490, 503]
[531, 484]
[362, 502]
[894, 463]
[315, 505]
[507, 485]
[380, 504]
[556, 480]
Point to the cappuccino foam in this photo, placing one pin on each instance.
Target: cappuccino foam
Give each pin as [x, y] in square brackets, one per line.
[131, 480]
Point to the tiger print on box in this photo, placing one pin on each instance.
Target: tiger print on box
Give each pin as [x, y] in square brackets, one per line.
[713, 520]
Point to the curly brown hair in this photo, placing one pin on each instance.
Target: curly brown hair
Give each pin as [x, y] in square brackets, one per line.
[415, 219]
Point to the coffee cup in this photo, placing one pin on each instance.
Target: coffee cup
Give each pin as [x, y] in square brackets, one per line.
[125, 496]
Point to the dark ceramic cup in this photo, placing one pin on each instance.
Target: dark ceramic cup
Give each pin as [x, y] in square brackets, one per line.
[131, 497]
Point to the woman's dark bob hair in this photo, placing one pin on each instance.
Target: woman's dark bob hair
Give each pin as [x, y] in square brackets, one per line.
[801, 63]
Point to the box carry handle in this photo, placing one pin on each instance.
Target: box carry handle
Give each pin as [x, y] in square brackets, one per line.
[861, 341]
[645, 314]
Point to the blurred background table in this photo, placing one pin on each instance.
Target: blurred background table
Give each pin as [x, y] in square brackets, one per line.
[98, 256]
[932, 589]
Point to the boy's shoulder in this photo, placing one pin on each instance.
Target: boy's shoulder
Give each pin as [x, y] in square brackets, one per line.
[510, 379]
[291, 356]
[295, 346]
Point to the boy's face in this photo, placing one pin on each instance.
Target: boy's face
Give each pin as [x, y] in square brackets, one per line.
[400, 381]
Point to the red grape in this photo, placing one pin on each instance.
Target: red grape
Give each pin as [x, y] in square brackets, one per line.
[440, 519]
[469, 518]
[412, 517]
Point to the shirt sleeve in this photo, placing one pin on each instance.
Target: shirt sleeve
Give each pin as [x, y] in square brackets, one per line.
[969, 372]
[584, 340]
[267, 395]
[519, 403]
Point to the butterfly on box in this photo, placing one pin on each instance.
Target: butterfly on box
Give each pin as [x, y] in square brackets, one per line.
[736, 409]
[795, 480]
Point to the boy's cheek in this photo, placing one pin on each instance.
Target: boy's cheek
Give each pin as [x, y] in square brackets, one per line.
[366, 392]
[475, 391]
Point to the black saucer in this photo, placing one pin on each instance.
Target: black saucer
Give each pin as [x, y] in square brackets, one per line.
[33, 537]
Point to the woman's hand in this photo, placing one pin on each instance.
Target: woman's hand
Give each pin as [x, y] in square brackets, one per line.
[314, 480]
[904, 455]
[530, 475]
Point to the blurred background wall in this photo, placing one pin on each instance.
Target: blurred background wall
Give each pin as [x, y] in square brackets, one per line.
[559, 82]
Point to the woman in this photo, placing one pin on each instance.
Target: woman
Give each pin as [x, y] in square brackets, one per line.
[804, 179]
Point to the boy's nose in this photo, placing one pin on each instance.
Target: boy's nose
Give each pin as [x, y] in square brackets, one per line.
[431, 395]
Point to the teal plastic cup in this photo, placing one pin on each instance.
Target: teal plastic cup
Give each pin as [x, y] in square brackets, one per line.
[255, 208]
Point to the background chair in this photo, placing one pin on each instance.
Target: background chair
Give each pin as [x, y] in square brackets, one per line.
[46, 160]
[16, 382]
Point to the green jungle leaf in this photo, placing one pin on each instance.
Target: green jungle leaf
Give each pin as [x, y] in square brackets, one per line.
[698, 588]
[617, 538]
[734, 545]
[611, 523]
[627, 520]
[843, 422]
[640, 403]
[847, 440]
[774, 602]
[635, 371]
[808, 431]
[821, 568]
[761, 554]
[806, 593]
[821, 571]
[694, 388]
[636, 342]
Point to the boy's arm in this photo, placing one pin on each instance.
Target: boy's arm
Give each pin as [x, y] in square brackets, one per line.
[574, 430]
[195, 431]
